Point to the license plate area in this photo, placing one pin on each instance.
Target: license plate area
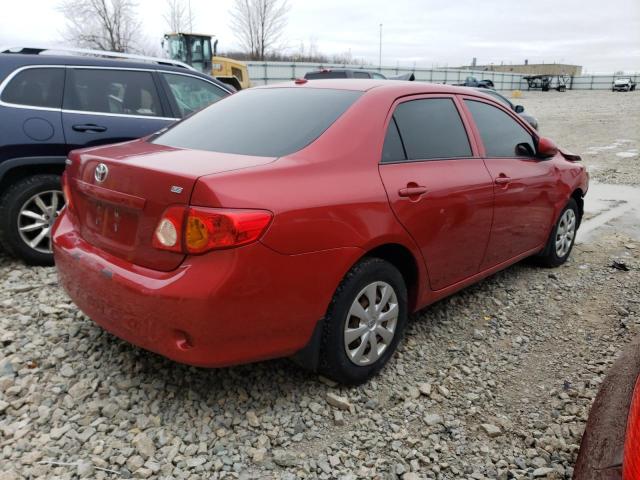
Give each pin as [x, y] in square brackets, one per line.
[111, 222]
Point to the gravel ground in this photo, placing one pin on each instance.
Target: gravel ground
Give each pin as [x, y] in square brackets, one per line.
[494, 382]
[602, 126]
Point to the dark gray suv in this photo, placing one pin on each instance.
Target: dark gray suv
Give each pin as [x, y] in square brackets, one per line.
[51, 104]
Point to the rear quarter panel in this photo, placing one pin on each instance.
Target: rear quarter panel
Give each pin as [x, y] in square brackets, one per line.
[328, 195]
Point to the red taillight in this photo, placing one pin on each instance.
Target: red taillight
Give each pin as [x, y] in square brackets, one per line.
[195, 230]
[66, 191]
[631, 462]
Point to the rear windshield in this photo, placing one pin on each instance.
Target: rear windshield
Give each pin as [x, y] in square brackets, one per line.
[262, 122]
[325, 75]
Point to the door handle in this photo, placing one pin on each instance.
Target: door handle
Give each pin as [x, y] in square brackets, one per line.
[502, 180]
[89, 127]
[412, 191]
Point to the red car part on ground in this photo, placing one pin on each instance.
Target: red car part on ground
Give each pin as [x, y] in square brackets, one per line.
[610, 446]
[336, 200]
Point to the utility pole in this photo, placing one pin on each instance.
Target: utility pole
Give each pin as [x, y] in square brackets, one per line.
[380, 50]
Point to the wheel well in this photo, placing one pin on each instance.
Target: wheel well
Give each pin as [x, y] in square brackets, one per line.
[578, 196]
[401, 258]
[23, 171]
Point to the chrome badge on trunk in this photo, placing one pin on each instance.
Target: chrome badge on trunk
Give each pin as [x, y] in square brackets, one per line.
[101, 172]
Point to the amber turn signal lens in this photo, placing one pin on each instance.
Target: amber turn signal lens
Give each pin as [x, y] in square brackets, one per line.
[197, 235]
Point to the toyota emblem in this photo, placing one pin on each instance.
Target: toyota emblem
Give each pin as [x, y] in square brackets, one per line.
[101, 172]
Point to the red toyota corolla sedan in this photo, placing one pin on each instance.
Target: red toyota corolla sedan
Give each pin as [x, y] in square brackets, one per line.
[308, 220]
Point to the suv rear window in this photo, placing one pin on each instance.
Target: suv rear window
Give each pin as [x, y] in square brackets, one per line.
[36, 87]
[262, 122]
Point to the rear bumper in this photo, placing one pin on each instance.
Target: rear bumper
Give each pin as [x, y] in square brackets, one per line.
[223, 308]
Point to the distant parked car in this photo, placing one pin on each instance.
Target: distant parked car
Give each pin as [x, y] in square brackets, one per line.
[333, 73]
[311, 221]
[519, 109]
[623, 85]
[474, 82]
[610, 446]
[51, 104]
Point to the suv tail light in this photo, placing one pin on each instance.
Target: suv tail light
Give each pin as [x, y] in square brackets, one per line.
[631, 462]
[195, 230]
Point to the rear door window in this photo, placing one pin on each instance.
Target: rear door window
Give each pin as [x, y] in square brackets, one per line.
[35, 87]
[262, 122]
[191, 93]
[501, 135]
[123, 92]
[432, 129]
[393, 150]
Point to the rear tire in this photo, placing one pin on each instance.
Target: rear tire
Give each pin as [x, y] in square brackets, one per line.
[374, 327]
[562, 238]
[20, 198]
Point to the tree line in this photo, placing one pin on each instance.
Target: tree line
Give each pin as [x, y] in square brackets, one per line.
[259, 26]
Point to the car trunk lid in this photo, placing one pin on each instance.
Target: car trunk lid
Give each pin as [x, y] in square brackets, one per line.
[120, 192]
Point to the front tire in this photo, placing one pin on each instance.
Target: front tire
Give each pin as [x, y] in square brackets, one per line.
[562, 238]
[364, 323]
[28, 209]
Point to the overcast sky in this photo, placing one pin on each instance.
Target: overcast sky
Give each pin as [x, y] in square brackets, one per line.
[603, 36]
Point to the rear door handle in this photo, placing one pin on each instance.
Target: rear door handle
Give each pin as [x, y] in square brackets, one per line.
[502, 180]
[412, 191]
[89, 127]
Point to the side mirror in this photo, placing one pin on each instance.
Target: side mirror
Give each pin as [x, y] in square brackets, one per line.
[546, 148]
[519, 109]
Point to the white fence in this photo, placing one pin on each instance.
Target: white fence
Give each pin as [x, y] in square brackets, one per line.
[598, 82]
[262, 73]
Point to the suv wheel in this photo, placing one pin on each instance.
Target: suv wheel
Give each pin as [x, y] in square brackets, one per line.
[364, 323]
[28, 209]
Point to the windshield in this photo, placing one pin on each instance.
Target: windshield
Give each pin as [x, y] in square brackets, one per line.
[175, 48]
[499, 98]
[262, 122]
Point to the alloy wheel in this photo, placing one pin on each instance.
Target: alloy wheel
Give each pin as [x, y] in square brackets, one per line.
[36, 217]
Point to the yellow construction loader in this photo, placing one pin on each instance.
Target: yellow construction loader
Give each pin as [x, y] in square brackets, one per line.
[195, 50]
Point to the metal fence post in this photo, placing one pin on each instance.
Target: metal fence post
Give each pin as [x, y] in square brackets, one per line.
[266, 76]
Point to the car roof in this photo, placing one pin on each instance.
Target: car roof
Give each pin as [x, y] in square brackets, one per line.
[366, 84]
[14, 60]
[328, 70]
